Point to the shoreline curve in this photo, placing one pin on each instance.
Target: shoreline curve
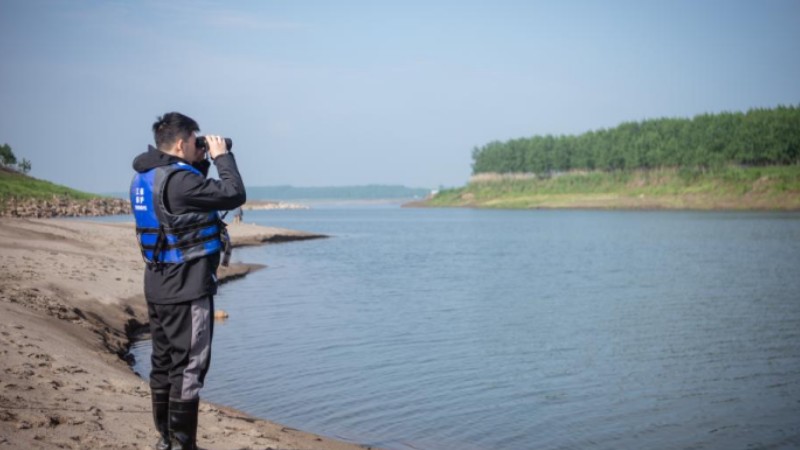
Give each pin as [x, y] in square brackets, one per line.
[71, 302]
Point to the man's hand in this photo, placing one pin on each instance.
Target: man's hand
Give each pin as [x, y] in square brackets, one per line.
[216, 146]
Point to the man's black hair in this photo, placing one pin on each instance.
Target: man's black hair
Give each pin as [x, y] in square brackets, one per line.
[172, 126]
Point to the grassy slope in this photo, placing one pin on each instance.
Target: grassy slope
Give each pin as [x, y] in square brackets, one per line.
[728, 188]
[19, 186]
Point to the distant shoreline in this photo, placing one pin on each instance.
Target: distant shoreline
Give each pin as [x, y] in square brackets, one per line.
[621, 202]
[736, 189]
[257, 205]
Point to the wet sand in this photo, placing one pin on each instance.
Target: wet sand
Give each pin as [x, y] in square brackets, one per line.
[70, 298]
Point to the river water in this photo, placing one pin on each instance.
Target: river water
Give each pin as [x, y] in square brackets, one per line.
[489, 329]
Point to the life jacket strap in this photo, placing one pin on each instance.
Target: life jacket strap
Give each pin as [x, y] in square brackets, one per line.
[177, 230]
[159, 243]
[165, 246]
[227, 246]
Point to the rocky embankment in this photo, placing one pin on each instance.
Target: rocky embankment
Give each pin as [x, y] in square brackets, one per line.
[101, 206]
[64, 207]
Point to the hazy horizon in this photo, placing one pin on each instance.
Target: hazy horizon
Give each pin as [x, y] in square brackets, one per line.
[319, 193]
[355, 93]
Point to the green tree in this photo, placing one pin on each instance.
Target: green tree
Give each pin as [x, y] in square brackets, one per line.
[7, 157]
[24, 166]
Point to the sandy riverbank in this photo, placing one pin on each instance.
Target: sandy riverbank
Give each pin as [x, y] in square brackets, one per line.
[70, 295]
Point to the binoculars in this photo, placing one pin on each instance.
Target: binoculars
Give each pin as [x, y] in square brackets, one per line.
[201, 143]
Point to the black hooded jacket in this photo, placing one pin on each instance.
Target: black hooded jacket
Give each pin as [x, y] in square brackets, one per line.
[189, 192]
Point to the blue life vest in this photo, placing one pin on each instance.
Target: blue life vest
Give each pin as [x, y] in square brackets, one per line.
[167, 238]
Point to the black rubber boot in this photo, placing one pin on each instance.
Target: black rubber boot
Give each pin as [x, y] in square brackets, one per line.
[161, 417]
[183, 424]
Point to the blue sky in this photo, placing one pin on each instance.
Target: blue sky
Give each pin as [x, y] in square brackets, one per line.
[318, 93]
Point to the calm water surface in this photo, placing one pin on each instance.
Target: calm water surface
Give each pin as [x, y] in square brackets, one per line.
[471, 329]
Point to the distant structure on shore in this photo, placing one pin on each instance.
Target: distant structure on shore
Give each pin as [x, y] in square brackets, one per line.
[336, 193]
[256, 205]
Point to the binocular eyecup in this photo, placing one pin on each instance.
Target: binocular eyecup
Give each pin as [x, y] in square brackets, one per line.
[201, 143]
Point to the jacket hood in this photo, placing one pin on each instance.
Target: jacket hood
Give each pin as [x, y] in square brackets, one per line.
[153, 158]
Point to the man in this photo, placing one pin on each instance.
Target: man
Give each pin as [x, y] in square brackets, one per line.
[181, 237]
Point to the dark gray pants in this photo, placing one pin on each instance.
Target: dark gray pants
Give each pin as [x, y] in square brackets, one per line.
[181, 336]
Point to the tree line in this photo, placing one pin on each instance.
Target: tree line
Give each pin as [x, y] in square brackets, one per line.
[758, 137]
